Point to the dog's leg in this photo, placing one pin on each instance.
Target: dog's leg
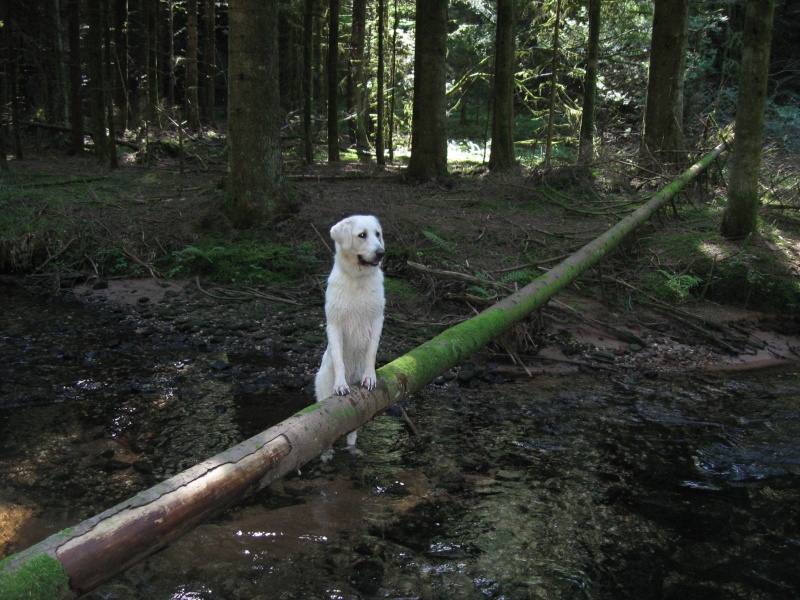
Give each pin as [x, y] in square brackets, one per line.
[370, 379]
[335, 347]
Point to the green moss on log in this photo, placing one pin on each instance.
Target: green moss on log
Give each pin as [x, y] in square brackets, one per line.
[40, 578]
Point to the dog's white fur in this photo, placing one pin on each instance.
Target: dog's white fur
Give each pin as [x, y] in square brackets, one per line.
[354, 304]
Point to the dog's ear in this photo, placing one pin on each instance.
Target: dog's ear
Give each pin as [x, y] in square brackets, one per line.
[342, 233]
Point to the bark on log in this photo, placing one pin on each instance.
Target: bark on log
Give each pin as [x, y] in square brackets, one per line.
[79, 558]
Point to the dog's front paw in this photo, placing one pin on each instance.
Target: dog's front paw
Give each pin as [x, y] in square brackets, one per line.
[369, 381]
[341, 389]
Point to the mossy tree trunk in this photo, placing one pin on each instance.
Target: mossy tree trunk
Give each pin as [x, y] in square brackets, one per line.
[95, 550]
[741, 215]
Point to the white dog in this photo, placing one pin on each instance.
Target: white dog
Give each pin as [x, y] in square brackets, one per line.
[354, 305]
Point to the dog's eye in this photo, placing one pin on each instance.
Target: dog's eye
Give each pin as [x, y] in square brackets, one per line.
[378, 234]
[362, 235]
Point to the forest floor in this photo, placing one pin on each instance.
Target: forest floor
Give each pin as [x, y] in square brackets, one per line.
[675, 288]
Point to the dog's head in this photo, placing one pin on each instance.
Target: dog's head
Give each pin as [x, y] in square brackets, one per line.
[360, 237]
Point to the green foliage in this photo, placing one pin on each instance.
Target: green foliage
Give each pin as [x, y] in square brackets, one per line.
[522, 278]
[246, 263]
[440, 242]
[679, 287]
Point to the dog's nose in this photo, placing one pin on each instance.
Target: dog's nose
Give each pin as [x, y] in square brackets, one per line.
[380, 254]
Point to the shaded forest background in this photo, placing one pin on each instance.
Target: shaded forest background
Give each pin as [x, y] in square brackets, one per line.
[150, 66]
[468, 86]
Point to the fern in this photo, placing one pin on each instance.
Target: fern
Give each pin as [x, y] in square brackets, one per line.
[523, 277]
[440, 243]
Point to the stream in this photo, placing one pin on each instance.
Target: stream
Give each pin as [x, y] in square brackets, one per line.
[613, 483]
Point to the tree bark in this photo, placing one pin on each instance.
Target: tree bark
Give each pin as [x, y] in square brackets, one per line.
[663, 121]
[356, 84]
[553, 82]
[502, 154]
[381, 76]
[308, 72]
[75, 93]
[210, 61]
[393, 82]
[333, 81]
[429, 114]
[586, 147]
[108, 77]
[192, 77]
[80, 558]
[256, 189]
[741, 214]
[97, 93]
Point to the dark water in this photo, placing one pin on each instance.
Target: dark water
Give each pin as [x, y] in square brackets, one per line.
[574, 486]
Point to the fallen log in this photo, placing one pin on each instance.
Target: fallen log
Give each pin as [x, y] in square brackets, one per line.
[79, 558]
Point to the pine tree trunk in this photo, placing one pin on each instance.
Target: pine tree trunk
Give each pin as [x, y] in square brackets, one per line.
[151, 35]
[210, 62]
[95, 550]
[192, 97]
[121, 94]
[75, 76]
[553, 82]
[429, 114]
[256, 188]
[663, 122]
[393, 82]
[108, 76]
[741, 215]
[333, 81]
[308, 98]
[97, 91]
[381, 100]
[502, 154]
[586, 147]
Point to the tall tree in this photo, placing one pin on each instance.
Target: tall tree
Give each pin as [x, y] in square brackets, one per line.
[75, 93]
[256, 189]
[586, 147]
[429, 113]
[393, 82]
[502, 154]
[192, 96]
[663, 120]
[356, 83]
[108, 77]
[741, 214]
[210, 61]
[97, 93]
[308, 72]
[121, 74]
[380, 99]
[333, 81]
[553, 84]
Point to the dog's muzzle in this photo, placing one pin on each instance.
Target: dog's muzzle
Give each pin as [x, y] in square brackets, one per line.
[376, 259]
